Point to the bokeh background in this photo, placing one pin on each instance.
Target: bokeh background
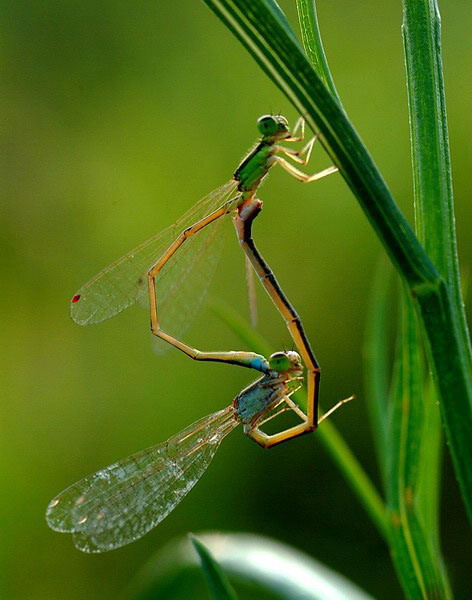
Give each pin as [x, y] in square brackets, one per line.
[116, 117]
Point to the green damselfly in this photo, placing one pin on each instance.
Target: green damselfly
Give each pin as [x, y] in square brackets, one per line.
[126, 280]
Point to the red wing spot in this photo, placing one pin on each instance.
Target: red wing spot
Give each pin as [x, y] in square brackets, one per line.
[76, 298]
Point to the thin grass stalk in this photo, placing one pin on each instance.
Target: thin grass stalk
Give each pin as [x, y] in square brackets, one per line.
[413, 543]
[377, 362]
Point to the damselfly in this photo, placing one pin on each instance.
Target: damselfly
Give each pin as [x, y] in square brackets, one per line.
[126, 280]
[122, 502]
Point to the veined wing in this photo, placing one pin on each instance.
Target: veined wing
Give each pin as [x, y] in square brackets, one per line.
[122, 502]
[182, 283]
[123, 282]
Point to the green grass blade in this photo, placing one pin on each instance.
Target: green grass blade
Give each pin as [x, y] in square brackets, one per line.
[429, 465]
[434, 209]
[355, 475]
[278, 12]
[377, 361]
[216, 578]
[327, 432]
[255, 25]
[422, 441]
[312, 42]
[240, 326]
[414, 547]
[434, 206]
[269, 567]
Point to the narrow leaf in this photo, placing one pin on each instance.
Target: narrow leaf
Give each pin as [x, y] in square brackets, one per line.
[414, 549]
[216, 578]
[264, 564]
[312, 42]
[240, 326]
[429, 465]
[376, 359]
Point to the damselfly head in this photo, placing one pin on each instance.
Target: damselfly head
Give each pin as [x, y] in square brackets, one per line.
[273, 126]
[286, 362]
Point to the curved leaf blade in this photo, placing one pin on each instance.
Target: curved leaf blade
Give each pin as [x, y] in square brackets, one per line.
[216, 578]
[273, 567]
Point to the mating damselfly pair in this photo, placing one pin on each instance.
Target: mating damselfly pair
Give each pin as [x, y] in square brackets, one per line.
[125, 500]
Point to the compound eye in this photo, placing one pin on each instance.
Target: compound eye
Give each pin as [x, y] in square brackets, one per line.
[280, 362]
[283, 123]
[267, 125]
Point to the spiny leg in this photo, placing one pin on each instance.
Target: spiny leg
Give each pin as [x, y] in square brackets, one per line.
[269, 440]
[274, 415]
[243, 224]
[300, 124]
[294, 407]
[300, 175]
[290, 405]
[296, 155]
[335, 407]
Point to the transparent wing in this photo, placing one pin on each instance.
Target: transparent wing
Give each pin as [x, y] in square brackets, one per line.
[182, 284]
[124, 501]
[123, 282]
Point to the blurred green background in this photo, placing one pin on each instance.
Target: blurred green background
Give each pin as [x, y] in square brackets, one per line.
[116, 118]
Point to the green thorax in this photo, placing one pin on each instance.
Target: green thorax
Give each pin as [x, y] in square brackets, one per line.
[255, 166]
[257, 163]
